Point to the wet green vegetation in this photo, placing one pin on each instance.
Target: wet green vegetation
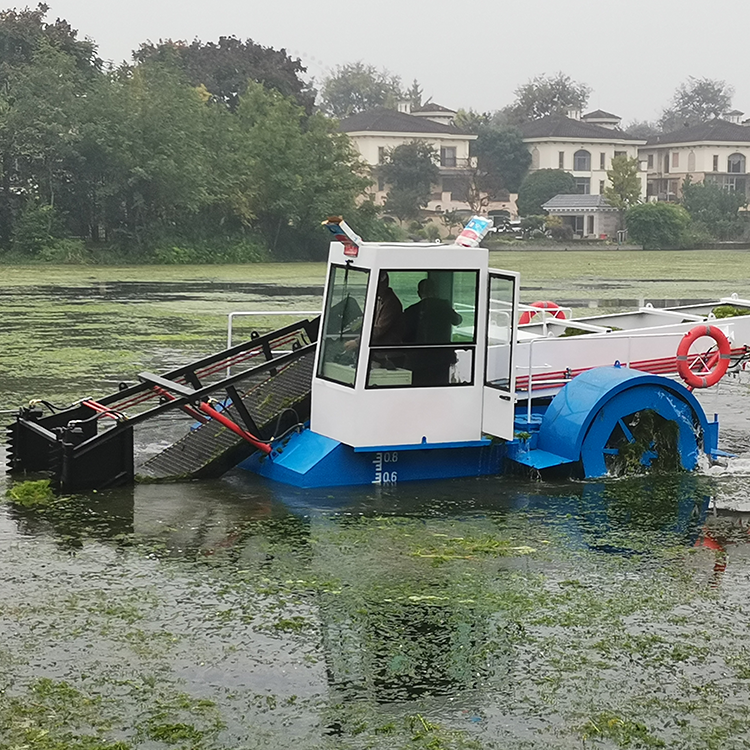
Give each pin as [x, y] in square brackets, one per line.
[472, 616]
[465, 615]
[70, 329]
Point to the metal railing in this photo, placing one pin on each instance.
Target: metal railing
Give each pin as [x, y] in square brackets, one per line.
[261, 314]
[607, 337]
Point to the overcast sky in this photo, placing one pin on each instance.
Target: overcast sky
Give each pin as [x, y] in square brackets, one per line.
[465, 53]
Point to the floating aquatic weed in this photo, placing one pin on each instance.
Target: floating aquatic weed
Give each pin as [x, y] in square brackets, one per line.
[32, 494]
[624, 732]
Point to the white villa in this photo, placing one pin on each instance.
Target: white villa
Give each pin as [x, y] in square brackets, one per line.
[717, 151]
[379, 130]
[583, 146]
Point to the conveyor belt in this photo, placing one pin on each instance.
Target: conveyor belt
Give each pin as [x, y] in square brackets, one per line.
[276, 403]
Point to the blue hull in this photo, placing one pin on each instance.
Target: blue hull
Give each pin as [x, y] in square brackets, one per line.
[307, 459]
[582, 426]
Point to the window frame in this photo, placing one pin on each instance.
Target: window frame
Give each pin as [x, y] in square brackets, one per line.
[740, 161]
[406, 346]
[448, 160]
[580, 183]
[513, 339]
[577, 156]
[324, 320]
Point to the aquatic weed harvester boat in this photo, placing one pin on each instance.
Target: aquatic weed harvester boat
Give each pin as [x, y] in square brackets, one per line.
[424, 365]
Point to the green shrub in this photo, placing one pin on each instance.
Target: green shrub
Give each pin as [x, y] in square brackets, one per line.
[432, 232]
[558, 229]
[242, 251]
[68, 250]
[34, 230]
[541, 185]
[658, 225]
[729, 311]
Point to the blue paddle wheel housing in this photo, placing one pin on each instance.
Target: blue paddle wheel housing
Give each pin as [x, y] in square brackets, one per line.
[589, 424]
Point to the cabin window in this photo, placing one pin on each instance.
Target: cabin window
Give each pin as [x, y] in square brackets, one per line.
[342, 324]
[424, 329]
[499, 333]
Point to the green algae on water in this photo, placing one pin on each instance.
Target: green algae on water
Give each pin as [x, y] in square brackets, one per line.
[32, 494]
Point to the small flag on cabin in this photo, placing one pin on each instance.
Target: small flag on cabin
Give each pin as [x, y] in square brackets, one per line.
[344, 234]
[473, 233]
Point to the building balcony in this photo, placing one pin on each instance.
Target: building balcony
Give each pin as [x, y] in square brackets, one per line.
[450, 166]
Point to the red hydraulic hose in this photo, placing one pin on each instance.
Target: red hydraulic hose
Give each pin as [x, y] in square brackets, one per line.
[234, 427]
[187, 408]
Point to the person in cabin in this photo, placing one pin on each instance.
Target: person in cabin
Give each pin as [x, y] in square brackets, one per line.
[387, 323]
[430, 322]
[387, 326]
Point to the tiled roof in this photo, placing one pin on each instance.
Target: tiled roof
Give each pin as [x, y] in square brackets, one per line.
[576, 201]
[713, 130]
[432, 107]
[600, 114]
[381, 120]
[559, 126]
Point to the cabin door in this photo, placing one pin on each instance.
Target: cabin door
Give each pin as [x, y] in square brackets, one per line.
[500, 373]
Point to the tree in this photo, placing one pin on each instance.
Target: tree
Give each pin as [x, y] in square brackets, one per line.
[642, 129]
[45, 73]
[547, 95]
[499, 163]
[146, 164]
[453, 219]
[357, 87]
[502, 158]
[539, 186]
[410, 170]
[657, 225]
[624, 189]
[284, 171]
[714, 209]
[414, 94]
[225, 68]
[470, 121]
[696, 100]
[24, 32]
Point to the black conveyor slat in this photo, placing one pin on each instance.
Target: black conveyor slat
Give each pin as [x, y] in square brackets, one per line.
[211, 449]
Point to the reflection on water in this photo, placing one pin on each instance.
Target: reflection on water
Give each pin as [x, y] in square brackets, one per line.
[495, 609]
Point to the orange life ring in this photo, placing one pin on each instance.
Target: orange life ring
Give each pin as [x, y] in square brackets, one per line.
[527, 315]
[721, 362]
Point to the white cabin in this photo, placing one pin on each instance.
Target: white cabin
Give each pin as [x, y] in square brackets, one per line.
[442, 374]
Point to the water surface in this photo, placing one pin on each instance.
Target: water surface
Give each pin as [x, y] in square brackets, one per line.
[480, 613]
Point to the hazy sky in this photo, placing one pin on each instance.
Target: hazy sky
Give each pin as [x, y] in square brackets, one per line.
[465, 53]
